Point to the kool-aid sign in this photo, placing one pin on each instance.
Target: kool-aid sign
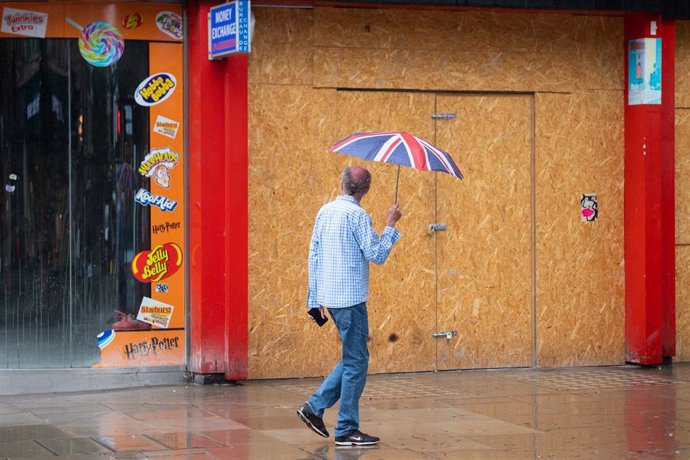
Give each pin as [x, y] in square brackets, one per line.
[155, 89]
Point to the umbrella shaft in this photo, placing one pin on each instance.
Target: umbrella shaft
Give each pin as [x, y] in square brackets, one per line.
[397, 179]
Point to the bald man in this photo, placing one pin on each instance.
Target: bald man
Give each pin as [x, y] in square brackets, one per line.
[342, 245]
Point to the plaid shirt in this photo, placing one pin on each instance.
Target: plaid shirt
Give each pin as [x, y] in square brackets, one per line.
[342, 245]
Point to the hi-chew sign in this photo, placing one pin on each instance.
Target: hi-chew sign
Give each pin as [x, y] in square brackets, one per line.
[228, 29]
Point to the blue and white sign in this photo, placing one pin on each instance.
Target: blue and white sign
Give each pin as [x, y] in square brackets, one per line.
[228, 29]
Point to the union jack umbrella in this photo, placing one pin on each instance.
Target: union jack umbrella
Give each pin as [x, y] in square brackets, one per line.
[400, 148]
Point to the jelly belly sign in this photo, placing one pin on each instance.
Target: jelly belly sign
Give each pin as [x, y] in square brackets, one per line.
[157, 264]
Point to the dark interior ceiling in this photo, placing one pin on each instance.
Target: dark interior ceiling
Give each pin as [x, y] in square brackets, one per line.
[676, 9]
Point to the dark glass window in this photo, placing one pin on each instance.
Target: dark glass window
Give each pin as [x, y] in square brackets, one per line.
[71, 136]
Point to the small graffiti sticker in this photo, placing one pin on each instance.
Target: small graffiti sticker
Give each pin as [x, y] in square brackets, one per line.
[157, 165]
[162, 288]
[589, 211]
[155, 89]
[159, 263]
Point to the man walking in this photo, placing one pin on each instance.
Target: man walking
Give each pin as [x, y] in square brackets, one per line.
[342, 245]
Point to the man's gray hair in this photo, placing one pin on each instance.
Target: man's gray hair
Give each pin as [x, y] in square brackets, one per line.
[356, 184]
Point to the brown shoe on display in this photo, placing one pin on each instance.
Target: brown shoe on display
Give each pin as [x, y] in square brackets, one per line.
[127, 322]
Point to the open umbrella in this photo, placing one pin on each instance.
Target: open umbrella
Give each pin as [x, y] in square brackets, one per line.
[398, 147]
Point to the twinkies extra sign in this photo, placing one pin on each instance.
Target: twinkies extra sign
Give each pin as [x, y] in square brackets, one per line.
[24, 22]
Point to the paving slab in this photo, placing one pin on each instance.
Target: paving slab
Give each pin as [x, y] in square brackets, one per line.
[626, 412]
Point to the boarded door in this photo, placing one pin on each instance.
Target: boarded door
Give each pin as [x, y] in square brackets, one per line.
[485, 269]
[476, 276]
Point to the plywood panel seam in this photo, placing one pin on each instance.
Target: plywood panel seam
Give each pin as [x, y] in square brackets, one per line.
[533, 185]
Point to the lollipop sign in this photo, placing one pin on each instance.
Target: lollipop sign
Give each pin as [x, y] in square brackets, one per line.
[101, 44]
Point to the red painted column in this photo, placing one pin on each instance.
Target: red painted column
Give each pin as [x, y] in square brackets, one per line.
[668, 190]
[207, 206]
[649, 205]
[236, 218]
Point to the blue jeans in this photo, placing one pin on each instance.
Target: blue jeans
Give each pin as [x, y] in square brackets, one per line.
[347, 379]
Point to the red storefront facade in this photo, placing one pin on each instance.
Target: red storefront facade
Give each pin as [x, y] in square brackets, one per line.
[576, 293]
[218, 132]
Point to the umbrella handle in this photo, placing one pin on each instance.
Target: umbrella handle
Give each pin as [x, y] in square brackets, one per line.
[397, 179]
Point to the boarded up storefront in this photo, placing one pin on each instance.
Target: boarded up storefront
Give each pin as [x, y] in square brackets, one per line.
[535, 121]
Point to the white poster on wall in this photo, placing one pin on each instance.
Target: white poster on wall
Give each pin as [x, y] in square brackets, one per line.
[644, 71]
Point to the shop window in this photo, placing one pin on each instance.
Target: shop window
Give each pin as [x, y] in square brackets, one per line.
[91, 218]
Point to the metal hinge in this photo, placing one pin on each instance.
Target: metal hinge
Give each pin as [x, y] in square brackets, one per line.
[436, 228]
[443, 116]
[446, 334]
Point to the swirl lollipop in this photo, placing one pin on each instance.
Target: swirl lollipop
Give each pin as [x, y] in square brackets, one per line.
[101, 44]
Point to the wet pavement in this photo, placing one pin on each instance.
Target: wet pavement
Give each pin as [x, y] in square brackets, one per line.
[592, 413]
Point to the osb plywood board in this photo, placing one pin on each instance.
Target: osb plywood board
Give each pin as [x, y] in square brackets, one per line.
[467, 31]
[682, 63]
[402, 308]
[483, 70]
[281, 46]
[682, 303]
[291, 175]
[682, 176]
[485, 255]
[580, 265]
[487, 51]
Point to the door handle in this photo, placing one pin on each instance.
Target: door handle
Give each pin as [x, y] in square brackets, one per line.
[436, 228]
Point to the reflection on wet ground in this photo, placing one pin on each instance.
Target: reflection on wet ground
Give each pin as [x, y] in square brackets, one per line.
[603, 412]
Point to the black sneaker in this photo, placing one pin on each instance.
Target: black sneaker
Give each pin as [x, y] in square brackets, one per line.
[315, 423]
[356, 438]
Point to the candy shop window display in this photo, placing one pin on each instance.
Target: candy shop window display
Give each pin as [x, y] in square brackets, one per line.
[72, 138]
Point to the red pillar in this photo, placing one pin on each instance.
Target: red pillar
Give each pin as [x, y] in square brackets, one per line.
[217, 94]
[236, 218]
[649, 203]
